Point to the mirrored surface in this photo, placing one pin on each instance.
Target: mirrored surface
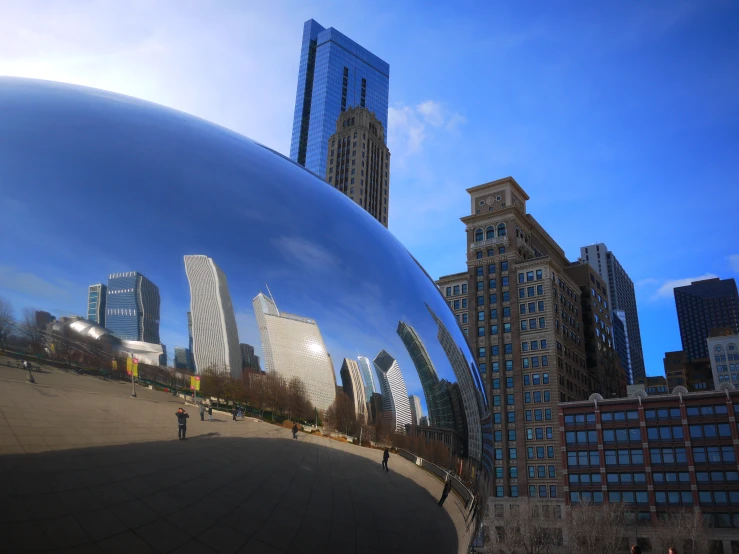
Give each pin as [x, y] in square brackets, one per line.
[152, 235]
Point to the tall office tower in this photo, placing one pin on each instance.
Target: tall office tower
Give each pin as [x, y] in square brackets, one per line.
[437, 398]
[622, 297]
[352, 385]
[132, 307]
[621, 339]
[96, 296]
[603, 364]
[395, 405]
[214, 332]
[43, 319]
[416, 410]
[249, 360]
[703, 306]
[526, 334]
[181, 358]
[335, 74]
[365, 368]
[359, 162]
[293, 347]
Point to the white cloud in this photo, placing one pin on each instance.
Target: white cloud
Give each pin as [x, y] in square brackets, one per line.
[33, 285]
[734, 262]
[409, 126]
[665, 291]
[648, 281]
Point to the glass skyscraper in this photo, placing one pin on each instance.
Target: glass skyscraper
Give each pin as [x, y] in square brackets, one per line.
[335, 74]
[96, 297]
[132, 307]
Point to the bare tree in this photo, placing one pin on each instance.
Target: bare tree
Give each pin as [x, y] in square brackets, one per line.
[595, 527]
[7, 322]
[683, 529]
[340, 415]
[522, 529]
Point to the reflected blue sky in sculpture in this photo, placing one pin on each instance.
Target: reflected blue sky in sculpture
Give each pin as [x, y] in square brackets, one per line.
[94, 183]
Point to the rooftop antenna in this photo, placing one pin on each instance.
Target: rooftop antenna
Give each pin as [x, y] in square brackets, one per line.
[273, 298]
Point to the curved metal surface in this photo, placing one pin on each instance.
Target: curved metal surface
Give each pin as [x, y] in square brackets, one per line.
[257, 249]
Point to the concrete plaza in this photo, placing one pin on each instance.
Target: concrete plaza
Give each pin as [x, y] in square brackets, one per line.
[86, 468]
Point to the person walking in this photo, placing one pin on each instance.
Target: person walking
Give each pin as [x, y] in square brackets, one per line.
[182, 424]
[233, 413]
[295, 430]
[385, 458]
[446, 491]
[210, 412]
[202, 412]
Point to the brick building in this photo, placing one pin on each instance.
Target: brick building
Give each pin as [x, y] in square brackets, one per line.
[656, 454]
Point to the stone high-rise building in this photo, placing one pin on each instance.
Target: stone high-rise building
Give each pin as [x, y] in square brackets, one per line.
[622, 297]
[395, 406]
[358, 161]
[525, 329]
[353, 386]
[603, 363]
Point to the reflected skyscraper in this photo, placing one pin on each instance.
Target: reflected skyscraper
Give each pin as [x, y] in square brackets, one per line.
[96, 297]
[437, 398]
[395, 405]
[365, 368]
[132, 307]
[416, 410]
[471, 399]
[351, 381]
[214, 332]
[293, 347]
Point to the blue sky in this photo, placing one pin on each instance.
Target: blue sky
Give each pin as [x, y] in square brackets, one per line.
[619, 119]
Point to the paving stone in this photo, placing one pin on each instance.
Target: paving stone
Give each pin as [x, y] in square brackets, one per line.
[101, 524]
[125, 543]
[163, 536]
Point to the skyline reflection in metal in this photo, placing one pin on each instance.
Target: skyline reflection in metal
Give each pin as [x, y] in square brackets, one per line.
[159, 185]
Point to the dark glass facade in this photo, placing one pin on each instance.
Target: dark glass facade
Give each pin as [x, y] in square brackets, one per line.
[703, 306]
[335, 74]
[132, 310]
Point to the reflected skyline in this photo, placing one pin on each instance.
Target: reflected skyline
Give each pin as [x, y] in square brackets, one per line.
[273, 257]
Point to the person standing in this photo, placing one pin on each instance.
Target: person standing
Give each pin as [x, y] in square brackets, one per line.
[210, 412]
[182, 424]
[202, 412]
[233, 413]
[446, 491]
[385, 458]
[295, 430]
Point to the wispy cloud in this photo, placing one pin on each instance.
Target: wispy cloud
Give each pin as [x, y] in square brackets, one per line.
[34, 286]
[313, 257]
[410, 126]
[734, 262]
[665, 290]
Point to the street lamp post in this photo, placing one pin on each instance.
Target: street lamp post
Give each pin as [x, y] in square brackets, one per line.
[133, 383]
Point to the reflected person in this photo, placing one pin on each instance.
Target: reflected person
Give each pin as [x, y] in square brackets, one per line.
[385, 458]
[446, 491]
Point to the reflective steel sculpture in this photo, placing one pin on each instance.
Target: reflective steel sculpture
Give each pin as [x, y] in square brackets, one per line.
[246, 248]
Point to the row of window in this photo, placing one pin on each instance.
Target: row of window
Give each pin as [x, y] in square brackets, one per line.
[579, 419]
[531, 324]
[718, 498]
[710, 431]
[510, 417]
[497, 400]
[479, 271]
[512, 453]
[537, 397]
[490, 232]
[539, 433]
[582, 437]
[674, 432]
[716, 476]
[498, 436]
[539, 451]
[529, 276]
[714, 409]
[630, 497]
[535, 362]
[531, 307]
[632, 434]
[495, 366]
[535, 344]
[713, 454]
[535, 378]
[456, 288]
[495, 351]
[538, 414]
[528, 292]
[632, 456]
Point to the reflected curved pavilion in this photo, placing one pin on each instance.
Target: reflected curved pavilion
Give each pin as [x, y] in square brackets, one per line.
[249, 246]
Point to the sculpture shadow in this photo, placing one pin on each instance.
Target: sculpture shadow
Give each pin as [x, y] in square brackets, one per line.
[216, 494]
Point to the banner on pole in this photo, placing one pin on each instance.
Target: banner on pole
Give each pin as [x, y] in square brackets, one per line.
[135, 367]
[129, 365]
[194, 383]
